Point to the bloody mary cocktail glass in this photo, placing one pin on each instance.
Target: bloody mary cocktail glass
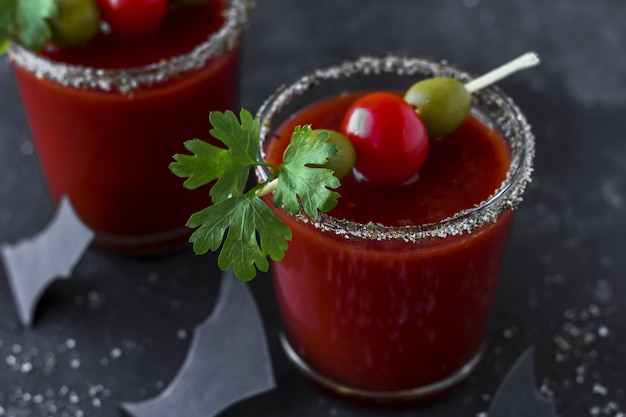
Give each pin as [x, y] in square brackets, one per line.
[389, 309]
[106, 119]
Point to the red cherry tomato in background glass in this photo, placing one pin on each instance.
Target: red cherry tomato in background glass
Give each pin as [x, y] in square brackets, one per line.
[390, 140]
[133, 17]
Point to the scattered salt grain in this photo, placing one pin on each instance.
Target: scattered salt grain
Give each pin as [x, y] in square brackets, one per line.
[603, 331]
[600, 389]
[116, 353]
[75, 363]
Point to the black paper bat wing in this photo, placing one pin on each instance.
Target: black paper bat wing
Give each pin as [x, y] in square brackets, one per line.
[33, 264]
[227, 362]
[517, 396]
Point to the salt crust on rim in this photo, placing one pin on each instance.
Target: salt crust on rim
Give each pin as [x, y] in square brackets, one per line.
[128, 80]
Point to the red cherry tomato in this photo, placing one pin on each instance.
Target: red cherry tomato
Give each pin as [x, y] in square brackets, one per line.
[133, 17]
[390, 140]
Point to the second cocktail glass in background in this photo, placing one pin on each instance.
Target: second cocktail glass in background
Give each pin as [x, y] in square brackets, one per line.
[393, 315]
[105, 132]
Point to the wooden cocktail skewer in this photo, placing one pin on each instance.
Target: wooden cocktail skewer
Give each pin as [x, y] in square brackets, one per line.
[527, 60]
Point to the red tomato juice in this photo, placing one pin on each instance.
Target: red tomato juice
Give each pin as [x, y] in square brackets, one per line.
[109, 151]
[393, 315]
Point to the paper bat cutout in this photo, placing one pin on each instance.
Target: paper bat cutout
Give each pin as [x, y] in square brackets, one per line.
[33, 264]
[228, 361]
[517, 395]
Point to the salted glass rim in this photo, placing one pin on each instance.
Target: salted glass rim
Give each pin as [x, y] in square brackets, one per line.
[236, 16]
[501, 111]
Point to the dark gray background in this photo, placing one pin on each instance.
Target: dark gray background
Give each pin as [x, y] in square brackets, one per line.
[119, 329]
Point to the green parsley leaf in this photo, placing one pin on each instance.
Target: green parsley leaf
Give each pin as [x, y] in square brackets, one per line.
[27, 21]
[4, 44]
[241, 223]
[230, 166]
[302, 184]
[31, 25]
[242, 218]
[7, 17]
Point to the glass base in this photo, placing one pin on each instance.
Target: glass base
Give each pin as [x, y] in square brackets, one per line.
[397, 398]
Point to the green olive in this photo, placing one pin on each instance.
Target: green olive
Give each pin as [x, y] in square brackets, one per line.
[442, 103]
[76, 22]
[343, 161]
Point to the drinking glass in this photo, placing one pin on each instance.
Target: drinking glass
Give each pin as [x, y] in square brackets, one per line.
[105, 136]
[393, 315]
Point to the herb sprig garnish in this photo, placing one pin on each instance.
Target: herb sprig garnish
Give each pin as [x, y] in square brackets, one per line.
[27, 21]
[239, 221]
